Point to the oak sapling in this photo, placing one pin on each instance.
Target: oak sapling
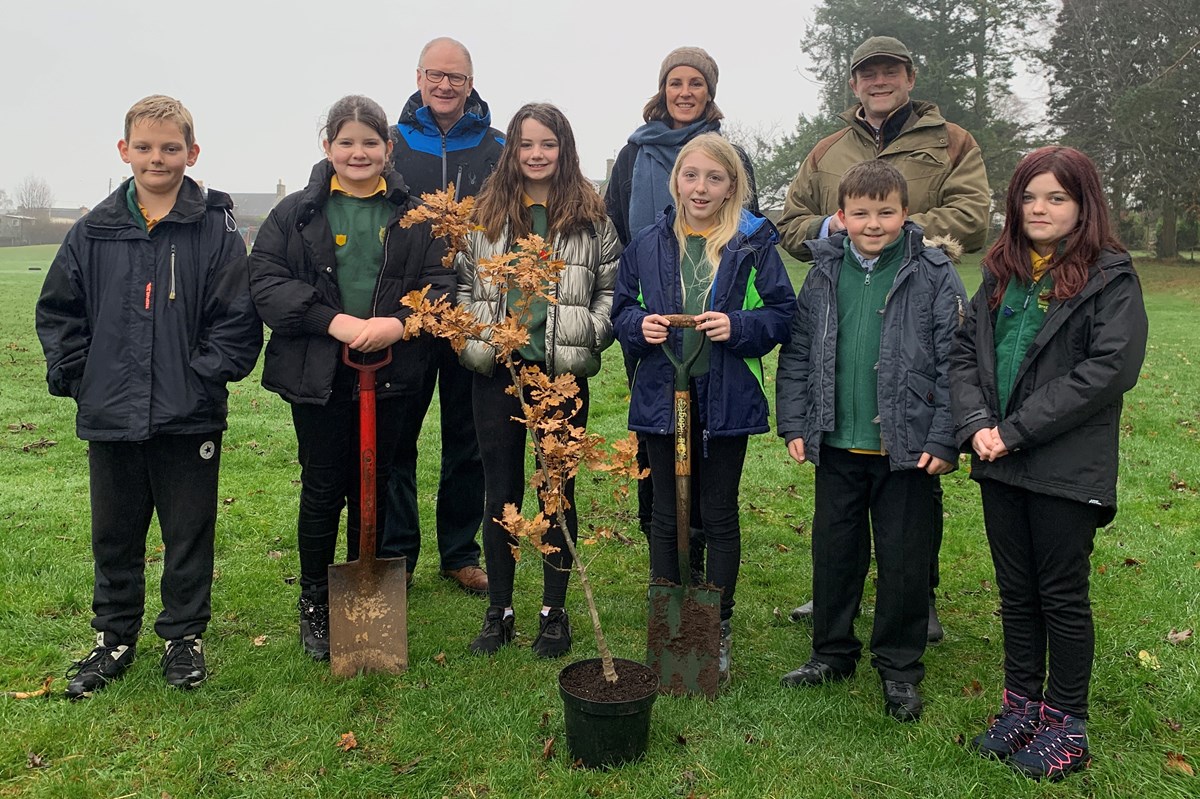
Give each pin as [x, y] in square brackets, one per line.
[548, 403]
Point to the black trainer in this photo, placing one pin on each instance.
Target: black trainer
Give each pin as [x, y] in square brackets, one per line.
[554, 635]
[1012, 730]
[102, 665]
[183, 662]
[497, 631]
[314, 628]
[1059, 747]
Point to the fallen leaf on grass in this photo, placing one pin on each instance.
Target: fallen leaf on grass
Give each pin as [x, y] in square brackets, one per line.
[548, 749]
[347, 741]
[1101, 569]
[289, 580]
[1177, 484]
[20, 426]
[41, 443]
[973, 689]
[229, 500]
[681, 739]
[43, 691]
[545, 719]
[1173, 724]
[1134, 562]
[1176, 762]
[260, 640]
[776, 613]
[1148, 661]
[783, 548]
[34, 760]
[1179, 637]
[274, 554]
[440, 658]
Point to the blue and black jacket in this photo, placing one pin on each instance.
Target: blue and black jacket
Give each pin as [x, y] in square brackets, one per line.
[429, 160]
[751, 286]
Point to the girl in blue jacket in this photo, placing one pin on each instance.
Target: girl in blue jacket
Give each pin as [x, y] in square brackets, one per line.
[716, 262]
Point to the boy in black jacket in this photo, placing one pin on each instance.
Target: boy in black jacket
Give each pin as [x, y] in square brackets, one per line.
[144, 317]
[863, 393]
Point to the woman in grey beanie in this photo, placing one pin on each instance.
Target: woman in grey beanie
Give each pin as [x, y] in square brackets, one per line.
[638, 188]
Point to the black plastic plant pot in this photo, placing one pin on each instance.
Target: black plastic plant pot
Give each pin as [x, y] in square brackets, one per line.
[603, 733]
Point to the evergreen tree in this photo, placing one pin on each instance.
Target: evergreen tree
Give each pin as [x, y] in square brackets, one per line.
[1126, 90]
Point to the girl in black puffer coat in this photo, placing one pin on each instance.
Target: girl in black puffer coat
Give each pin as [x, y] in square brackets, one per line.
[327, 271]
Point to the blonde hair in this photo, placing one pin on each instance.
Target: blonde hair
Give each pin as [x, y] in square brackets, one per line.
[161, 108]
[725, 226]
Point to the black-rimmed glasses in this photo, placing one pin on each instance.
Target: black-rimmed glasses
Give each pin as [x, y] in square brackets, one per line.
[457, 79]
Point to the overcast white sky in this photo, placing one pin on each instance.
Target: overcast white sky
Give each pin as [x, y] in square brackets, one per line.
[259, 76]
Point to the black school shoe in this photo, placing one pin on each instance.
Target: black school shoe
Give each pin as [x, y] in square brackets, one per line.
[814, 672]
[314, 628]
[554, 635]
[497, 631]
[102, 665]
[933, 628]
[183, 662]
[902, 700]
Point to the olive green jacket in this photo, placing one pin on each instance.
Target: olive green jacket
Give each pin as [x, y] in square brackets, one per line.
[947, 183]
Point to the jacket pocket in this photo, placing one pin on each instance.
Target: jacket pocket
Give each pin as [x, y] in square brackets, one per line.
[919, 401]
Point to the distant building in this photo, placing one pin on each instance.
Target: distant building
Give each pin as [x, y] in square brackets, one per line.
[14, 229]
[251, 208]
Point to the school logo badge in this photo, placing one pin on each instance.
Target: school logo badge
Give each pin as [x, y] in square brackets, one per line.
[207, 450]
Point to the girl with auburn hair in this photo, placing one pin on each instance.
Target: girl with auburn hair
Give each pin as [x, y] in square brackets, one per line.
[538, 188]
[1053, 338]
[717, 262]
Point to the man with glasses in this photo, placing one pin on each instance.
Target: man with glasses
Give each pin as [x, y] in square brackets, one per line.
[947, 186]
[444, 136]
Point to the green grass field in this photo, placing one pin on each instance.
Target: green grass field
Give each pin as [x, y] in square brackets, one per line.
[268, 721]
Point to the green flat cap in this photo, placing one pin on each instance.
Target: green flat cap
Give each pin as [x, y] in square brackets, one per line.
[887, 46]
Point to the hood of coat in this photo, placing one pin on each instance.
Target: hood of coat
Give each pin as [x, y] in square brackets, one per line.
[190, 206]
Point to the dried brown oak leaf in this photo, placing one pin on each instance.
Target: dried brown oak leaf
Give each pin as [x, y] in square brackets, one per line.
[1178, 637]
[347, 741]
[1177, 763]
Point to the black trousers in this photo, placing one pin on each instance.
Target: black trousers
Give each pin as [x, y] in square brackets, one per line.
[327, 438]
[716, 468]
[503, 448]
[459, 509]
[1041, 547]
[857, 496]
[174, 476]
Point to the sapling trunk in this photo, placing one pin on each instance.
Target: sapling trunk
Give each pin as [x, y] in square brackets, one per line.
[606, 658]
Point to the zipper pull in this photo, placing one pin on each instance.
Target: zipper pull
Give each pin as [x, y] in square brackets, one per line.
[867, 281]
[171, 294]
[704, 437]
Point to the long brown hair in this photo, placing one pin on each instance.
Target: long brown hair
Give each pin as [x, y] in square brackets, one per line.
[574, 203]
[1078, 250]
